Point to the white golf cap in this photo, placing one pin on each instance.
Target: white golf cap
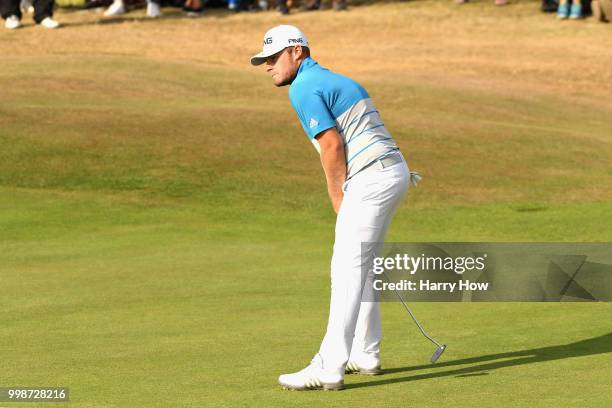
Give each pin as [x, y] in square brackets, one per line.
[277, 39]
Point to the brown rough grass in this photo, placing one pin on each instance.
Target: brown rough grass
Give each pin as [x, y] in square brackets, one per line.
[511, 49]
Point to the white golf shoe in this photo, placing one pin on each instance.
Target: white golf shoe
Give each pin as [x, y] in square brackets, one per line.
[12, 22]
[115, 9]
[364, 364]
[153, 10]
[313, 377]
[49, 23]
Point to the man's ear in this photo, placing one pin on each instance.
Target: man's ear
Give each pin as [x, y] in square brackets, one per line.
[298, 51]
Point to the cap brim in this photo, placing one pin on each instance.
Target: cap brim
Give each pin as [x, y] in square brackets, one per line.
[259, 58]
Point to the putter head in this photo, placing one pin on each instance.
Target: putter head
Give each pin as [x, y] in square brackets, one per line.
[438, 353]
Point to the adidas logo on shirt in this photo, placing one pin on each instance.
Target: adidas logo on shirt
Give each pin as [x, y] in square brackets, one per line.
[313, 123]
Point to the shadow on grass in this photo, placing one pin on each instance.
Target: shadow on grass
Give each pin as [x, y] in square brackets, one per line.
[589, 347]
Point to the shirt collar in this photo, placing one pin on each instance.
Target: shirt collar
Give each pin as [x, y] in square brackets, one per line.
[307, 64]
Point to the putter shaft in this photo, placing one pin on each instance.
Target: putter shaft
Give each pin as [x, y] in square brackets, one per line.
[441, 347]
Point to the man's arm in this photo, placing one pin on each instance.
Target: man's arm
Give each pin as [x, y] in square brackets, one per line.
[333, 160]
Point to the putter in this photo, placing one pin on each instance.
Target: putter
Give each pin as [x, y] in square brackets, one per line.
[441, 347]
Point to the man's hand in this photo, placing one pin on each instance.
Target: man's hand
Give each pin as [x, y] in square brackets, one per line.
[333, 160]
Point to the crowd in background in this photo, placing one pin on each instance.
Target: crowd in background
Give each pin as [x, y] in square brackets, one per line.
[194, 8]
[42, 10]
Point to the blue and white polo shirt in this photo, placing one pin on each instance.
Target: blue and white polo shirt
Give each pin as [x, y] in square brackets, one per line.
[324, 99]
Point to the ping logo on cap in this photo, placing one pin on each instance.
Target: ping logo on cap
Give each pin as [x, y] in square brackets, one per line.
[295, 41]
[268, 41]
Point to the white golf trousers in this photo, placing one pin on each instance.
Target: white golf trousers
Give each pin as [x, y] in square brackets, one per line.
[370, 199]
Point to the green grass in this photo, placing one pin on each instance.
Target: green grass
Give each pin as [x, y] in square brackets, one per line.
[159, 305]
[165, 234]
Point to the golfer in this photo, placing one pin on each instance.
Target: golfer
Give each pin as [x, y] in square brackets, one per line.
[367, 177]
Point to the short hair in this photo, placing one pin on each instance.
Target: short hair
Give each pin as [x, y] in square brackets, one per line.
[305, 50]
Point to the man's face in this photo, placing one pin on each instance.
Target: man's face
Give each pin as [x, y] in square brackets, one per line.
[283, 66]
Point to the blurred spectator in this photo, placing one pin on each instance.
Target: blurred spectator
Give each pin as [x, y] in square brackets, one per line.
[282, 6]
[549, 6]
[27, 7]
[256, 5]
[497, 2]
[193, 8]
[573, 11]
[118, 8]
[238, 5]
[313, 5]
[43, 13]
[602, 10]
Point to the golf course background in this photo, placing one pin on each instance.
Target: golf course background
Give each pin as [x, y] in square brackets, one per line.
[165, 232]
